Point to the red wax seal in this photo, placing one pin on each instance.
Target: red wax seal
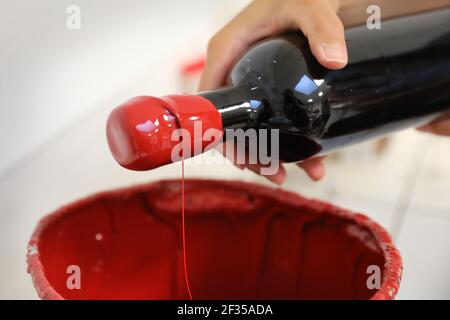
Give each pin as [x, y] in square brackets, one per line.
[140, 131]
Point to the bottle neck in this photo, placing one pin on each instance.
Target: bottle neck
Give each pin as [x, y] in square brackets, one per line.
[239, 106]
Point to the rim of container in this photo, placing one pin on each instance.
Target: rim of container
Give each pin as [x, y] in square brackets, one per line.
[392, 271]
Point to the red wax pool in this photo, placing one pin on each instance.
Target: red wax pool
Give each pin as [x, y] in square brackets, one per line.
[244, 241]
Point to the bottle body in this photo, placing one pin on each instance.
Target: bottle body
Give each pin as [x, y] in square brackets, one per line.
[397, 77]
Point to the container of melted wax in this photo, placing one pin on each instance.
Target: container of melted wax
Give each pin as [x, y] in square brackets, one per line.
[243, 241]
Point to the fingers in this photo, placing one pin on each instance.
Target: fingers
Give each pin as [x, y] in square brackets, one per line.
[254, 23]
[314, 168]
[441, 128]
[325, 32]
[317, 19]
[277, 178]
[221, 55]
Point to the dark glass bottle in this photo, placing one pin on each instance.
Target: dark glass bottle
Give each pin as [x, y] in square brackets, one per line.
[397, 77]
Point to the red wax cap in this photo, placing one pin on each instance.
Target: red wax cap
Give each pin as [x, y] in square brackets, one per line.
[141, 133]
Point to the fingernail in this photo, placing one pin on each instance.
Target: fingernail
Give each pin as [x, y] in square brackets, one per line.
[319, 172]
[335, 53]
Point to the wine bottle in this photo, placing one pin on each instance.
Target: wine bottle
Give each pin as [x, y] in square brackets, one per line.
[397, 77]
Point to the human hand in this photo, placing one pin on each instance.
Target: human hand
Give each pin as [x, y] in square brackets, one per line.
[319, 22]
[440, 126]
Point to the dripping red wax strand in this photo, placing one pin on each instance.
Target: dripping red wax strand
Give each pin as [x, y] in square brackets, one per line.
[183, 227]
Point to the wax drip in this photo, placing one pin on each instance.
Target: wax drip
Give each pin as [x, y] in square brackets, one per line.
[183, 227]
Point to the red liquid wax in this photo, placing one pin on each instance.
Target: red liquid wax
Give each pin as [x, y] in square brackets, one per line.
[183, 227]
[243, 241]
